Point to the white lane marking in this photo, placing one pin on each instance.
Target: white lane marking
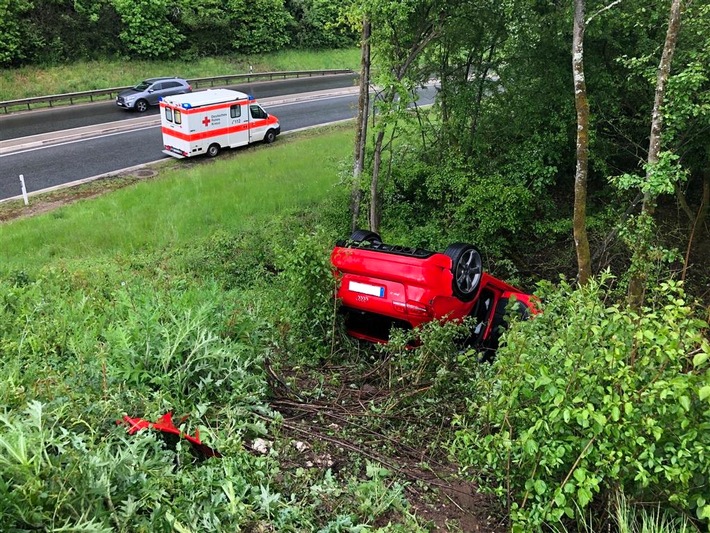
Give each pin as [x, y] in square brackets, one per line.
[64, 143]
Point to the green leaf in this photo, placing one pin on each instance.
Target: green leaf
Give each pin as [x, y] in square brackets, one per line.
[700, 358]
[540, 486]
[584, 496]
[560, 499]
[615, 413]
[704, 392]
[685, 402]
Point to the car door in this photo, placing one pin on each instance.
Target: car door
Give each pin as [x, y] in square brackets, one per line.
[154, 93]
[257, 123]
[172, 87]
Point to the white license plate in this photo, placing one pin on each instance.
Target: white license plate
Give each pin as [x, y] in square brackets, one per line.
[364, 288]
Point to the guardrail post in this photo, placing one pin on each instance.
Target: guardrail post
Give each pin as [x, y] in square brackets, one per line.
[24, 190]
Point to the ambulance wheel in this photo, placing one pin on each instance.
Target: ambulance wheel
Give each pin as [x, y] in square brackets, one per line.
[213, 150]
[141, 106]
[270, 137]
[467, 269]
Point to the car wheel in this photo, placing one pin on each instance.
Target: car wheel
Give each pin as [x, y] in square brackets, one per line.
[213, 150]
[360, 235]
[467, 269]
[141, 106]
[269, 137]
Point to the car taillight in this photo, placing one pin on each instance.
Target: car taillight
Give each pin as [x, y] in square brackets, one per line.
[418, 309]
[413, 308]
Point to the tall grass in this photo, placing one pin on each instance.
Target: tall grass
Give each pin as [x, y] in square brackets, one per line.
[90, 75]
[239, 189]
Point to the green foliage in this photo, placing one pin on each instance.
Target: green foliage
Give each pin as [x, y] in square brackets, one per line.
[258, 26]
[58, 31]
[660, 178]
[148, 30]
[306, 285]
[450, 202]
[589, 396]
[432, 355]
[12, 31]
[80, 347]
[318, 25]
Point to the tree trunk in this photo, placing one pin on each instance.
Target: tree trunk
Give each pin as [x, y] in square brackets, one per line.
[697, 224]
[581, 103]
[374, 195]
[361, 130]
[637, 283]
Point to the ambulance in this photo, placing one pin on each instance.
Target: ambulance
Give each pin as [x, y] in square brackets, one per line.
[204, 122]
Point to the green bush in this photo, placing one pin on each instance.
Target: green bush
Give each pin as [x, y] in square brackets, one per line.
[305, 306]
[587, 397]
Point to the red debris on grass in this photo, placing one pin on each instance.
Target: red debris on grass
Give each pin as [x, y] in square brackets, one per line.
[165, 425]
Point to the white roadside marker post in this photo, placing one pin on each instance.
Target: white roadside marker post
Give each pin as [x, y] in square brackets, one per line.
[24, 190]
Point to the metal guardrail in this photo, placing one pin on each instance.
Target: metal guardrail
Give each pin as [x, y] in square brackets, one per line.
[195, 82]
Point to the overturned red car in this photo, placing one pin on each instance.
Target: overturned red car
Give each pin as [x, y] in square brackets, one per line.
[384, 286]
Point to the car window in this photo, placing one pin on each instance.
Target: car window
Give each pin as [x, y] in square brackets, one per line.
[235, 111]
[157, 86]
[171, 84]
[178, 116]
[168, 114]
[142, 86]
[257, 112]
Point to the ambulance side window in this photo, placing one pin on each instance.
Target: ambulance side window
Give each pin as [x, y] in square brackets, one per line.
[178, 116]
[168, 114]
[235, 111]
[257, 112]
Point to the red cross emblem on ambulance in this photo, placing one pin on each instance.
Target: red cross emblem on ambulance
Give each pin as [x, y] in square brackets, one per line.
[206, 121]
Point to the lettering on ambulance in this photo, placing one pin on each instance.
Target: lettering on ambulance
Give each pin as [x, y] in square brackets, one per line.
[215, 120]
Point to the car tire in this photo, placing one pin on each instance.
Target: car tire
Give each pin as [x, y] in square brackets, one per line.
[141, 106]
[270, 137]
[213, 150]
[466, 268]
[360, 235]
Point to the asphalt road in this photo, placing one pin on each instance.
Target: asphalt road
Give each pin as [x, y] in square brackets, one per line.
[76, 160]
[67, 161]
[23, 124]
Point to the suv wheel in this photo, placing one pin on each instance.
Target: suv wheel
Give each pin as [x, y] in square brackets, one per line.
[141, 106]
[467, 269]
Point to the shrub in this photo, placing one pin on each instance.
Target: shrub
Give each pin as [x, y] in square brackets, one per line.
[587, 397]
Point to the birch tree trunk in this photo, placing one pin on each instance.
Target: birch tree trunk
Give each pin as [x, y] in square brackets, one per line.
[637, 283]
[363, 106]
[579, 222]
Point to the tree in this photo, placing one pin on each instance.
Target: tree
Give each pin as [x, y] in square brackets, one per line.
[579, 224]
[637, 283]
[148, 30]
[12, 31]
[363, 106]
[401, 31]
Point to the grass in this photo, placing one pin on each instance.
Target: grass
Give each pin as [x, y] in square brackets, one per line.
[183, 204]
[32, 81]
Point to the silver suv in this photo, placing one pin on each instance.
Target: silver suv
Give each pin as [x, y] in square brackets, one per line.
[148, 92]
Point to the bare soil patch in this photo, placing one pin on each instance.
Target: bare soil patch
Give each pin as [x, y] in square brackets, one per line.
[339, 428]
